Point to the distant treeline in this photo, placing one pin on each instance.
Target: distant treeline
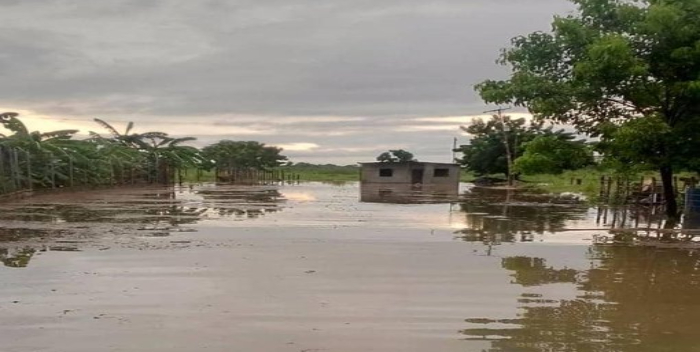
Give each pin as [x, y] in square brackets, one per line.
[320, 166]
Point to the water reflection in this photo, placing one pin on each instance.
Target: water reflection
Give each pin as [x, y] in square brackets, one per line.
[632, 216]
[143, 212]
[535, 272]
[631, 299]
[153, 206]
[241, 202]
[407, 193]
[691, 221]
[16, 257]
[130, 207]
[503, 215]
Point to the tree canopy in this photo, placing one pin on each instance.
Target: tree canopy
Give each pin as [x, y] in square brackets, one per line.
[396, 156]
[553, 152]
[486, 152]
[228, 154]
[611, 63]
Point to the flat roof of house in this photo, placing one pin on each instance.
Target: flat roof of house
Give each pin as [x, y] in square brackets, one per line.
[408, 162]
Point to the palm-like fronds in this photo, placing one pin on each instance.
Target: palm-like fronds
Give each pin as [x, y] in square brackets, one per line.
[56, 159]
[64, 134]
[108, 127]
[177, 141]
[12, 123]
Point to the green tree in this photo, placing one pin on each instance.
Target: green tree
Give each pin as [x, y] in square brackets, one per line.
[396, 156]
[612, 62]
[227, 154]
[553, 153]
[492, 142]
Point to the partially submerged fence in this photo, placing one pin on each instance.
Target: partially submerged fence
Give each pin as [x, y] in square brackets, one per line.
[15, 168]
[645, 190]
[22, 172]
[647, 196]
[255, 176]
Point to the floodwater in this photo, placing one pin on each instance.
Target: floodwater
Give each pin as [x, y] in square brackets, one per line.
[309, 267]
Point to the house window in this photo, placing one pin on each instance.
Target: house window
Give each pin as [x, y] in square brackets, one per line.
[441, 172]
[386, 172]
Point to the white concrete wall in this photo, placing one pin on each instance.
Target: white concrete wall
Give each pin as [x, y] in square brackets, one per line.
[403, 173]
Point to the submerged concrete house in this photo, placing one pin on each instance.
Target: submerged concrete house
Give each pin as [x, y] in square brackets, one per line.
[410, 173]
[408, 182]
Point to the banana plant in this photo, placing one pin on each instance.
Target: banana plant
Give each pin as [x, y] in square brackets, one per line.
[41, 159]
[164, 154]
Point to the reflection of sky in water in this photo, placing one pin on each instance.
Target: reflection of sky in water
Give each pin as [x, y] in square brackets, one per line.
[476, 215]
[323, 205]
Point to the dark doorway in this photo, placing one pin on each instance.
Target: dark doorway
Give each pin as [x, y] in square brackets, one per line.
[417, 176]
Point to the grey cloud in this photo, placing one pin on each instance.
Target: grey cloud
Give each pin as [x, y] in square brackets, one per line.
[385, 60]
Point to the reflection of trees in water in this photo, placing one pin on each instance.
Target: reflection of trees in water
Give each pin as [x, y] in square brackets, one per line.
[156, 211]
[534, 272]
[9, 234]
[635, 299]
[145, 208]
[152, 207]
[632, 216]
[240, 202]
[16, 258]
[494, 215]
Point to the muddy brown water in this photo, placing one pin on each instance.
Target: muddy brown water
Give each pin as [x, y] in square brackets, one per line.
[310, 268]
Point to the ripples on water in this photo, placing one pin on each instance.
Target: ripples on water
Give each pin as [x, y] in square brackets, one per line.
[635, 290]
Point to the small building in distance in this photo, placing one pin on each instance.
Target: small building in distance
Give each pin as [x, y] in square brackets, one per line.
[381, 179]
[412, 173]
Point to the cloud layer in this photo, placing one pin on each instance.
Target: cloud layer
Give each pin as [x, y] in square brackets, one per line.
[334, 81]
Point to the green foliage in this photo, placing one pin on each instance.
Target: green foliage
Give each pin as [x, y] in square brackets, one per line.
[396, 156]
[611, 63]
[533, 163]
[553, 153]
[228, 154]
[637, 144]
[567, 182]
[156, 152]
[487, 152]
[41, 159]
[56, 159]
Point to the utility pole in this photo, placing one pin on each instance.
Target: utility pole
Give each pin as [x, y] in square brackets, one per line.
[504, 131]
[454, 150]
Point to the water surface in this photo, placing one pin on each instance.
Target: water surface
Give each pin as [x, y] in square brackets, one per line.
[311, 268]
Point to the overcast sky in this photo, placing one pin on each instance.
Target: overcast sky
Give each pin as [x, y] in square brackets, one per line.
[329, 80]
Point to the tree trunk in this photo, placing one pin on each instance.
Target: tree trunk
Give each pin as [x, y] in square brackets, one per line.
[669, 192]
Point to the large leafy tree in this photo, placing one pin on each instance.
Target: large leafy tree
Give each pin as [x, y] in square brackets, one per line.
[611, 63]
[229, 155]
[554, 152]
[492, 142]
